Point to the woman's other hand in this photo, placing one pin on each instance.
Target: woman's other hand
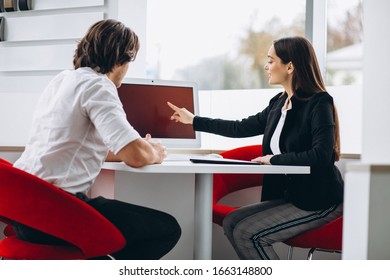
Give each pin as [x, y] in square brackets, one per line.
[264, 159]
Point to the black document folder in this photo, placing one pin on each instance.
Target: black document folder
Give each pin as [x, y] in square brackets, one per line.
[222, 161]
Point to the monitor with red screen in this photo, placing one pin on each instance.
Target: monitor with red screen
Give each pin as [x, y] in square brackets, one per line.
[145, 104]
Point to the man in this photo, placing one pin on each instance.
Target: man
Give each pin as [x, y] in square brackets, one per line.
[79, 122]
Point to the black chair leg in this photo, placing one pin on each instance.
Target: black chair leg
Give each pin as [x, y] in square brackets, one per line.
[289, 252]
[310, 255]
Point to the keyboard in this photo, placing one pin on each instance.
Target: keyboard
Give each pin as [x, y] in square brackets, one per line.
[187, 157]
[180, 157]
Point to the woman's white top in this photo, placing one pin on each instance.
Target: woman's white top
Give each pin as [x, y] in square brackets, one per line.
[275, 139]
[77, 120]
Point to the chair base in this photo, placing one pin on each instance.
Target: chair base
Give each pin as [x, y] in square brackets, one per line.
[311, 252]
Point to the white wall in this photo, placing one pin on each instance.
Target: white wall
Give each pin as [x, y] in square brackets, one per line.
[376, 98]
[367, 192]
[41, 42]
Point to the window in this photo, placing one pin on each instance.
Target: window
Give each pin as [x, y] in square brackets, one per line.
[222, 46]
[345, 68]
[344, 44]
[218, 44]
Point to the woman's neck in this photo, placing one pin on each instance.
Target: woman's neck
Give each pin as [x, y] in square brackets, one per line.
[289, 92]
[288, 88]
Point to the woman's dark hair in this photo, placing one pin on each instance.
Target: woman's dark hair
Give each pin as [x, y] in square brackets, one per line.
[300, 52]
[106, 44]
[307, 75]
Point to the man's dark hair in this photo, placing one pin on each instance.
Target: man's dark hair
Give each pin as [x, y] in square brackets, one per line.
[107, 43]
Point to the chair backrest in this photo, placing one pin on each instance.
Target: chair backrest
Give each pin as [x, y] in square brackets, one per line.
[29, 200]
[228, 183]
[3, 161]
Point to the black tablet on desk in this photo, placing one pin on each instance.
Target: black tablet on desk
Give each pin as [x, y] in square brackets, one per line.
[223, 161]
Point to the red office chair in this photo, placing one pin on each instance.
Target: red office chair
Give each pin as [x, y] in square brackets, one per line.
[325, 238]
[228, 183]
[8, 230]
[29, 200]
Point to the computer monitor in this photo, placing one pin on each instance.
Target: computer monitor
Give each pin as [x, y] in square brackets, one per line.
[145, 104]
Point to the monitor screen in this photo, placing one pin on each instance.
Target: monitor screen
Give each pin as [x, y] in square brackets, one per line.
[145, 104]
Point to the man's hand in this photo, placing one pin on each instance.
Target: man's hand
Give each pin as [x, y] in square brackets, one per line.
[160, 150]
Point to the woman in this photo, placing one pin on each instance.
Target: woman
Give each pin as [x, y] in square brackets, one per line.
[299, 127]
[78, 123]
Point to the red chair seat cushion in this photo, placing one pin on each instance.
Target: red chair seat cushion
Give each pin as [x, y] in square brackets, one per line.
[328, 237]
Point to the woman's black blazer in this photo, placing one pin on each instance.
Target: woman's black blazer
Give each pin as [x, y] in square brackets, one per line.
[307, 138]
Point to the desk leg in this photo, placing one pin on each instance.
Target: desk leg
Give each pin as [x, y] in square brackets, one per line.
[203, 216]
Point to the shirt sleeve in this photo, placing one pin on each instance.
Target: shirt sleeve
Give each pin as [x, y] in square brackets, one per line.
[251, 126]
[102, 105]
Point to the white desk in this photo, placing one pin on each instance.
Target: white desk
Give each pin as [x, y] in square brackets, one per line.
[203, 189]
